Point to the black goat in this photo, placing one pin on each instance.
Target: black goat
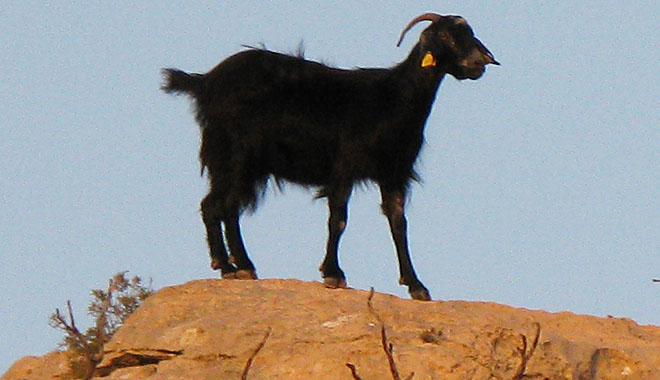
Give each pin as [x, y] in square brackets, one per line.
[267, 114]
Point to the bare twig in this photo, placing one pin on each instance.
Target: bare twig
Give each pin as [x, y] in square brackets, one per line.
[389, 349]
[70, 327]
[254, 354]
[353, 371]
[370, 306]
[526, 355]
[387, 346]
[73, 321]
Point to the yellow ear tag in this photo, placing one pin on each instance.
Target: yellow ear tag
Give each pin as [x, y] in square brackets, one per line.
[428, 60]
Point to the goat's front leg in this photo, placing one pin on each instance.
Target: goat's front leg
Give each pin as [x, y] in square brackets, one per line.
[239, 256]
[393, 208]
[333, 276]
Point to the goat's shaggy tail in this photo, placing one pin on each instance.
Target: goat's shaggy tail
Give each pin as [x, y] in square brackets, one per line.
[177, 81]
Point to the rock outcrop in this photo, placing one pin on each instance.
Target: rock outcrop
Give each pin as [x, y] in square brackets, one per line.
[288, 329]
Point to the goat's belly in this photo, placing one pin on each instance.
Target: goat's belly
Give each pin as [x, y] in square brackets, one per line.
[304, 175]
[307, 166]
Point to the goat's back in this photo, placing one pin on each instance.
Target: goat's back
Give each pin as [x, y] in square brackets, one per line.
[284, 87]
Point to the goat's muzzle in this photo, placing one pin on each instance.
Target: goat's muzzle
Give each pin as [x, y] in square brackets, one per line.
[486, 54]
[474, 65]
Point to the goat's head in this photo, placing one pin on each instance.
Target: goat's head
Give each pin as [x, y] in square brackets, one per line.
[449, 43]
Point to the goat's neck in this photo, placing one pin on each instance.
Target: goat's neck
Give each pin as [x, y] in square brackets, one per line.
[419, 84]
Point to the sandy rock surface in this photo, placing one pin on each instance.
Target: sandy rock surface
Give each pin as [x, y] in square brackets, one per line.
[288, 329]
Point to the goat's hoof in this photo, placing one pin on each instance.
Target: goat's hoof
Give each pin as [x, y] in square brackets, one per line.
[334, 282]
[229, 275]
[246, 274]
[421, 294]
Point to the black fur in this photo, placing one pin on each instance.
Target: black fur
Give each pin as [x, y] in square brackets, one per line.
[264, 114]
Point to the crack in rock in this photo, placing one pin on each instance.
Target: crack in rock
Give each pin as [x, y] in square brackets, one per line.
[135, 358]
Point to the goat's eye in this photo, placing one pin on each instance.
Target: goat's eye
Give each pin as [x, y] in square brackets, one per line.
[447, 39]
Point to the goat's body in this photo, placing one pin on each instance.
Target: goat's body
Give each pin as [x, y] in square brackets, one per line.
[308, 132]
[266, 114]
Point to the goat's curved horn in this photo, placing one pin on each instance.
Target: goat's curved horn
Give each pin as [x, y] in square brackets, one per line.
[433, 17]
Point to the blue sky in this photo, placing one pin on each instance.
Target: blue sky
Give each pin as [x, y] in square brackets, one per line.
[541, 184]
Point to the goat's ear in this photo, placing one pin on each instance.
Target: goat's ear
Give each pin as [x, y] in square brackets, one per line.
[434, 37]
[426, 37]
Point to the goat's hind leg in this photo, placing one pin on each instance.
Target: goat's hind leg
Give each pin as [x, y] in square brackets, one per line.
[333, 276]
[211, 215]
